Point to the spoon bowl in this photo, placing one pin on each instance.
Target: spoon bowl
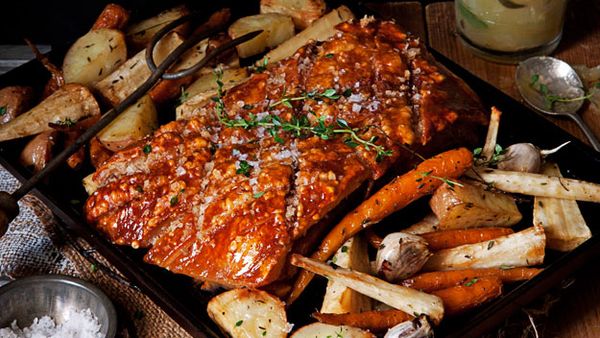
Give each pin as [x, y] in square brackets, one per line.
[542, 79]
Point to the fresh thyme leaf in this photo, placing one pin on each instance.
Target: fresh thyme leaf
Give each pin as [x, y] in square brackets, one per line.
[534, 79]
[67, 122]
[261, 67]
[477, 151]
[258, 194]
[247, 106]
[183, 97]
[344, 248]
[174, 200]
[342, 123]
[471, 282]
[239, 323]
[551, 99]
[2, 110]
[491, 244]
[347, 92]
[244, 168]
[329, 55]
[147, 149]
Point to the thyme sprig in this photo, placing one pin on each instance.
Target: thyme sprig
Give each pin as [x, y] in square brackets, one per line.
[551, 99]
[445, 180]
[300, 126]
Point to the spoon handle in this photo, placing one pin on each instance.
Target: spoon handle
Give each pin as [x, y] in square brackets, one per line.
[587, 131]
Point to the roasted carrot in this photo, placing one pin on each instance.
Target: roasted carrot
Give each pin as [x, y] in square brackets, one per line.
[369, 320]
[446, 239]
[472, 293]
[113, 16]
[432, 281]
[403, 190]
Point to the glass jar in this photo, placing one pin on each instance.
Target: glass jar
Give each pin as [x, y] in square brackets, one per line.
[509, 31]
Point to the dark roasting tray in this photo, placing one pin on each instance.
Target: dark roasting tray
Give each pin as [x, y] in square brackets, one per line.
[177, 295]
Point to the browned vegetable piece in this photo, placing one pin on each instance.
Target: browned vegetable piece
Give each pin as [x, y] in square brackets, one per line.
[38, 152]
[303, 12]
[369, 320]
[402, 191]
[72, 133]
[471, 294]
[445, 239]
[432, 281]
[98, 152]
[141, 33]
[57, 79]
[470, 206]
[14, 100]
[113, 16]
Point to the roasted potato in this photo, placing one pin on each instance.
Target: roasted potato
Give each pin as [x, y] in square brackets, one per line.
[38, 152]
[249, 313]
[89, 184]
[141, 33]
[137, 121]
[339, 298]
[320, 30]
[303, 12]
[131, 74]
[200, 92]
[468, 206]
[14, 100]
[277, 28]
[325, 330]
[95, 55]
[66, 106]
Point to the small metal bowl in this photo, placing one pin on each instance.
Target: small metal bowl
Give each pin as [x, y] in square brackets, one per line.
[54, 295]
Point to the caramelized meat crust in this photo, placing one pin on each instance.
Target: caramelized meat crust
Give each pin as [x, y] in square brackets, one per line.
[226, 204]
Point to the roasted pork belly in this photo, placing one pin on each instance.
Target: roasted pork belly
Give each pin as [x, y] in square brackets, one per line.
[226, 204]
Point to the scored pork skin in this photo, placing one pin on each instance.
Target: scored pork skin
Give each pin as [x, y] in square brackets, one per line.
[182, 193]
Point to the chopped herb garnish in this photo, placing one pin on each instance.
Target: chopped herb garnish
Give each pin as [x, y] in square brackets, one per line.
[239, 323]
[551, 99]
[447, 181]
[260, 67]
[67, 122]
[244, 168]
[491, 244]
[258, 194]
[147, 149]
[2, 110]
[247, 106]
[174, 200]
[183, 96]
[329, 55]
[93, 267]
[471, 282]
[299, 126]
[344, 248]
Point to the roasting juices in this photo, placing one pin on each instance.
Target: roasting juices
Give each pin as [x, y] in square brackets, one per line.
[507, 30]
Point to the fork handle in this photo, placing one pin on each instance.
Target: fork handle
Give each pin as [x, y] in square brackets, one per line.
[587, 131]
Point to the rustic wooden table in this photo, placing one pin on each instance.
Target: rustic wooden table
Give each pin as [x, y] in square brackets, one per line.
[577, 311]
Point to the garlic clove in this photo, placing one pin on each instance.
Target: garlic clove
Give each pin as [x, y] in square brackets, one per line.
[523, 157]
[417, 328]
[401, 255]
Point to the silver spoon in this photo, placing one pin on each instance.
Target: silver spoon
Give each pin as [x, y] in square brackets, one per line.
[560, 80]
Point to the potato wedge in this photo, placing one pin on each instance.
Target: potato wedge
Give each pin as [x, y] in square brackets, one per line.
[67, 105]
[199, 93]
[277, 28]
[469, 206]
[320, 30]
[561, 219]
[140, 34]
[95, 55]
[131, 74]
[249, 313]
[396, 296]
[132, 125]
[339, 298]
[303, 12]
[539, 185]
[325, 330]
[14, 100]
[523, 248]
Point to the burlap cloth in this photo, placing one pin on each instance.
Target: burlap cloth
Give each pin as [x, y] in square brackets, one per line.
[33, 245]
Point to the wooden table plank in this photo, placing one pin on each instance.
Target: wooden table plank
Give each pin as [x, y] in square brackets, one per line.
[579, 46]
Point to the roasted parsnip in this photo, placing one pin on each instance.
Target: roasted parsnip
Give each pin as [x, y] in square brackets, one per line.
[539, 185]
[561, 219]
[326, 330]
[141, 33]
[523, 248]
[303, 12]
[320, 30]
[66, 106]
[276, 28]
[396, 296]
[429, 223]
